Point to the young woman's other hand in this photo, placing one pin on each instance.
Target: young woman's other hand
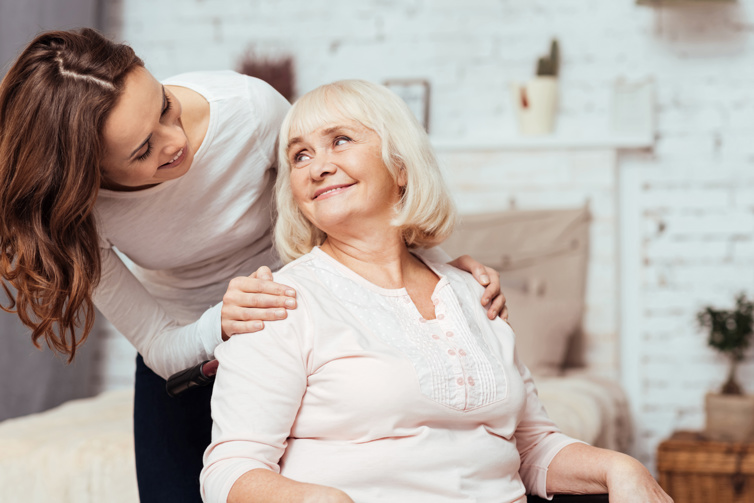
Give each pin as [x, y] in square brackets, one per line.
[492, 298]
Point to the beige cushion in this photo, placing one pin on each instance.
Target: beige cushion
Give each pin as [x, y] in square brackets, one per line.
[543, 328]
[542, 258]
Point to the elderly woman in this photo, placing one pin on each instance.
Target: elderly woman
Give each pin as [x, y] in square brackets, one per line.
[388, 383]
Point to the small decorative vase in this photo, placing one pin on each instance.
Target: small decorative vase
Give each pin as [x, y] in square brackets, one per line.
[729, 418]
[535, 103]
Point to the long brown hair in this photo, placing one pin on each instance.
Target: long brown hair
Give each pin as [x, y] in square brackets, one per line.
[54, 102]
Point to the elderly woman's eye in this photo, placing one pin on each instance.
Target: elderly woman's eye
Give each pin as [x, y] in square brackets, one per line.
[340, 140]
[300, 157]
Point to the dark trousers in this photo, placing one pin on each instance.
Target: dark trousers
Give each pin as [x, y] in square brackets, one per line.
[170, 436]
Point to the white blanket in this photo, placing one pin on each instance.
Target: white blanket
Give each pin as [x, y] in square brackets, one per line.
[79, 452]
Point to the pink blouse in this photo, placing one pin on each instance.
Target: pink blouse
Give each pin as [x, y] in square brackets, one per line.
[356, 390]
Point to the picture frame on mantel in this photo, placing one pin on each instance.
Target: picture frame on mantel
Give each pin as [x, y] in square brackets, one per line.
[632, 107]
[415, 92]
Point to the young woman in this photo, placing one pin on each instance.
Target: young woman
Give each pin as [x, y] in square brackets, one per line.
[99, 160]
[388, 383]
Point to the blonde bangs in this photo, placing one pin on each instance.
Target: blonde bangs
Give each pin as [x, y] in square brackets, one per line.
[327, 105]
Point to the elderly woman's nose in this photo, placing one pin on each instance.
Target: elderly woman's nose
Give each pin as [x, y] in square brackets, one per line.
[322, 166]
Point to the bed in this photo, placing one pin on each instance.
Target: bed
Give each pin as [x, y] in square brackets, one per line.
[82, 451]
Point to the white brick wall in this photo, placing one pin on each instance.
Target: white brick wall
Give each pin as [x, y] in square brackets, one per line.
[686, 209]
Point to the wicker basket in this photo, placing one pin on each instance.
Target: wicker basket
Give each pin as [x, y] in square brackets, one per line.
[695, 470]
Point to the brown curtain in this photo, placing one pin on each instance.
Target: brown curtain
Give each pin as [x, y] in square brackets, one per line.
[20, 20]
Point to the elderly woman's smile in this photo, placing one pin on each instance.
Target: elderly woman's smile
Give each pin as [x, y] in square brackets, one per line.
[331, 191]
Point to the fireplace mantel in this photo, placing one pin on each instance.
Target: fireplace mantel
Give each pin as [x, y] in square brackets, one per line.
[551, 142]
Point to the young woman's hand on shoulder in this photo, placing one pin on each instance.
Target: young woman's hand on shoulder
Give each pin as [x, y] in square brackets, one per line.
[492, 298]
[251, 300]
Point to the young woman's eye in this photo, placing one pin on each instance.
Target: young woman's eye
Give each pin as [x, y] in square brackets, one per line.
[143, 156]
[168, 106]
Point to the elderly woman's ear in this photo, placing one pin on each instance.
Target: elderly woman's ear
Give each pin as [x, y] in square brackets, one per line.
[402, 177]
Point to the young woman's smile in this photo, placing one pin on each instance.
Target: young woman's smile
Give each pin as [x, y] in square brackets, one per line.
[177, 160]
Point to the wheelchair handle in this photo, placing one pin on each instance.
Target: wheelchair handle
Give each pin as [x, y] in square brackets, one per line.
[201, 374]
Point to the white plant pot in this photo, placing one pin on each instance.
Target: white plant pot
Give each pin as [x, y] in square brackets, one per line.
[729, 418]
[535, 103]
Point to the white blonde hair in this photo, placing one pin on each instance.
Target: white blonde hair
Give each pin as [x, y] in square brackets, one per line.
[425, 214]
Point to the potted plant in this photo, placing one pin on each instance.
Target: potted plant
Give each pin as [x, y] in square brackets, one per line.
[535, 101]
[729, 413]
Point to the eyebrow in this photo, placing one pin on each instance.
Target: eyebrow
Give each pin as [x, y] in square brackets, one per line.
[292, 142]
[326, 132]
[164, 98]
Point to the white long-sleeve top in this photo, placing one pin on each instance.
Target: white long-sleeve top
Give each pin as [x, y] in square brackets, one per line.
[190, 236]
[356, 390]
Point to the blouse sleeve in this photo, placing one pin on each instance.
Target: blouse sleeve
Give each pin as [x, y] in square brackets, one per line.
[538, 439]
[258, 390]
[167, 347]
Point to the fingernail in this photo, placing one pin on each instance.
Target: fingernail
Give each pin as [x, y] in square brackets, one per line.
[257, 325]
[290, 293]
[290, 303]
[485, 300]
[485, 278]
[280, 313]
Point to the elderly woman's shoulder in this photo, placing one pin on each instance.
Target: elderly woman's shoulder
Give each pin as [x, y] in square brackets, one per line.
[304, 275]
[300, 268]
[458, 278]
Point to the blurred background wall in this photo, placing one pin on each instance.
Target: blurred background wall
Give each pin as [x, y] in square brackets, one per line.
[20, 20]
[676, 217]
[35, 380]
